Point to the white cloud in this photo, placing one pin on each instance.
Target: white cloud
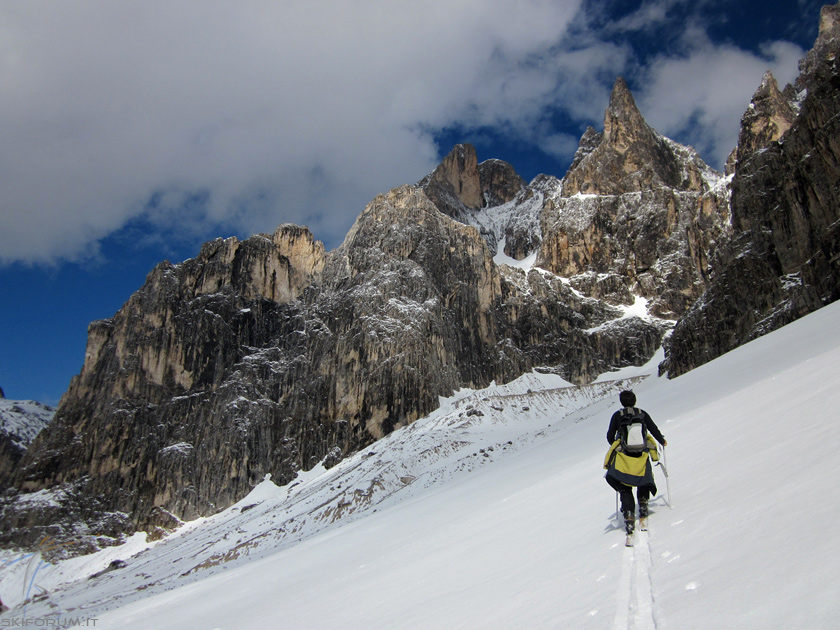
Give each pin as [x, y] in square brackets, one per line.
[559, 144]
[648, 16]
[303, 110]
[700, 98]
[296, 111]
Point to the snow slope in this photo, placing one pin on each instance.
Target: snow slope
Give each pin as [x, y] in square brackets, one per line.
[493, 513]
[22, 420]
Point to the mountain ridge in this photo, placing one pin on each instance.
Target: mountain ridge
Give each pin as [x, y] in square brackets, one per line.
[783, 260]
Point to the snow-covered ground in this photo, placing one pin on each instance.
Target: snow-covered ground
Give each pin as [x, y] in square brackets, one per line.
[526, 264]
[493, 513]
[23, 419]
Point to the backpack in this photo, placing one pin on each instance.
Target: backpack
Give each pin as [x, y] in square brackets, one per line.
[632, 431]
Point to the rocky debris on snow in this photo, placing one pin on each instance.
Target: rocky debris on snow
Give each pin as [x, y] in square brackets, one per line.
[72, 521]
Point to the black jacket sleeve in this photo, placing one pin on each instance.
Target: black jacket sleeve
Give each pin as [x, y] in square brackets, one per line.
[612, 432]
[653, 429]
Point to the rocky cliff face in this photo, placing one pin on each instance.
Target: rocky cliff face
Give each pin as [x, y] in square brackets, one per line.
[171, 413]
[784, 258]
[269, 355]
[463, 189]
[637, 214]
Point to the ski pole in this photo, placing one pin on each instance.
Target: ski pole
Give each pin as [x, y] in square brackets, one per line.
[664, 465]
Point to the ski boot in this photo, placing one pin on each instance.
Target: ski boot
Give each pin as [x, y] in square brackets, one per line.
[643, 516]
[629, 526]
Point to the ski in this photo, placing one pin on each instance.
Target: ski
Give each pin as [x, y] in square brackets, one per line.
[628, 540]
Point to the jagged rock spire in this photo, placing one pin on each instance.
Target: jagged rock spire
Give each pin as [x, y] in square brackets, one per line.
[460, 185]
[637, 214]
[455, 185]
[769, 116]
[623, 123]
[629, 156]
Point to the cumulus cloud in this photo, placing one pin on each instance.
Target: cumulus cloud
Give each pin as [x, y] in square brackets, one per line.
[648, 16]
[699, 97]
[206, 117]
[259, 112]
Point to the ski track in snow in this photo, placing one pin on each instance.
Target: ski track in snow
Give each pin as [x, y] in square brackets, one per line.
[624, 594]
[643, 605]
[634, 597]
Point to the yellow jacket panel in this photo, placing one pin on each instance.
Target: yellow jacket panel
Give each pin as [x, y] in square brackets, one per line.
[629, 469]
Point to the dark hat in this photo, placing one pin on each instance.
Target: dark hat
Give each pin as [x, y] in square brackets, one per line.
[627, 398]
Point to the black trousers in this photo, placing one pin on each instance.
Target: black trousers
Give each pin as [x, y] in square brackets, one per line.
[625, 493]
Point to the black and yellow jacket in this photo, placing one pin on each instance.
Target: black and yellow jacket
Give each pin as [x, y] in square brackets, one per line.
[631, 470]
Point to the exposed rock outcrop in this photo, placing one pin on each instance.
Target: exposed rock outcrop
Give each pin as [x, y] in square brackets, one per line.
[460, 185]
[767, 119]
[637, 214]
[628, 156]
[784, 261]
[267, 355]
[461, 188]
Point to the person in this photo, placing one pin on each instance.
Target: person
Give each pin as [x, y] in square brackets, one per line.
[628, 470]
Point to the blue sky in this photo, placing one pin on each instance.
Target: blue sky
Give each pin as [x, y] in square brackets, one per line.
[134, 131]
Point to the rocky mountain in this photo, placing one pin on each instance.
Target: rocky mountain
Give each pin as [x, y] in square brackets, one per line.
[783, 260]
[477, 194]
[20, 423]
[270, 354]
[636, 214]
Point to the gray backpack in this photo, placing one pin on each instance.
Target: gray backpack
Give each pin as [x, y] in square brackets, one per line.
[632, 431]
